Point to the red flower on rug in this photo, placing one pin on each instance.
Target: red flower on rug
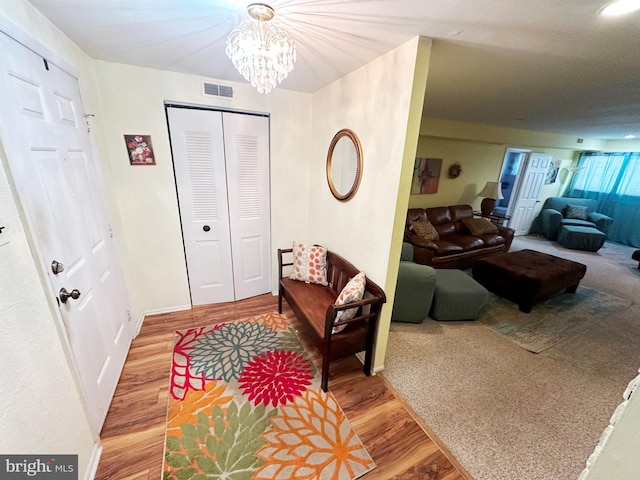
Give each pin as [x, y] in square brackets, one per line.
[276, 377]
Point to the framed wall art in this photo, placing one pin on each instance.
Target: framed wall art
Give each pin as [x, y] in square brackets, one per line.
[140, 149]
[426, 175]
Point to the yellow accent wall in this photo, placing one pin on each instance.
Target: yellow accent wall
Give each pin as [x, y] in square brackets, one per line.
[480, 150]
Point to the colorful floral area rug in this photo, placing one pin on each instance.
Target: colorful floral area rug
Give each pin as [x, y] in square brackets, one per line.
[245, 403]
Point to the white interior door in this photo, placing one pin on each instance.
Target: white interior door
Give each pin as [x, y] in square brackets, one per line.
[59, 184]
[246, 140]
[221, 162]
[198, 152]
[527, 193]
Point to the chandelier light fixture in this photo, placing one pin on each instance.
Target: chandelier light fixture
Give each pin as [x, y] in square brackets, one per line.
[262, 53]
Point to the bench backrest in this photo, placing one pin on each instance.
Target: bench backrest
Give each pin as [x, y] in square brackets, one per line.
[340, 271]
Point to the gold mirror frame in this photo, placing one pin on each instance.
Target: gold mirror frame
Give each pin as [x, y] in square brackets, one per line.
[350, 135]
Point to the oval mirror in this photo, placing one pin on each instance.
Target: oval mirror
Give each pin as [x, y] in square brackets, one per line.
[344, 164]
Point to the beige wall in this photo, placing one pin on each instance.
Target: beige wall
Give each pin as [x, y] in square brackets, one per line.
[360, 229]
[132, 101]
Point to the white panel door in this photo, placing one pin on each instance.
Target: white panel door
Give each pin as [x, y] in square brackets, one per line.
[198, 152]
[246, 140]
[44, 133]
[528, 192]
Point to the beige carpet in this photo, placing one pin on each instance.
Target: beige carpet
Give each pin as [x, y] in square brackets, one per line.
[509, 414]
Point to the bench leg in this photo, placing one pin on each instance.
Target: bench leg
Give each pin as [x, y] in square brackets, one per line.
[280, 300]
[325, 375]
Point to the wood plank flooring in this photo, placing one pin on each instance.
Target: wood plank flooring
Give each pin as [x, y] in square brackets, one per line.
[133, 433]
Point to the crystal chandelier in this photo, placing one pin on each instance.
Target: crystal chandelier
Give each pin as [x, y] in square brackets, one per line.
[262, 53]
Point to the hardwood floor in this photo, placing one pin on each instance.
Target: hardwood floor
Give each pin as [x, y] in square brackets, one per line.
[133, 433]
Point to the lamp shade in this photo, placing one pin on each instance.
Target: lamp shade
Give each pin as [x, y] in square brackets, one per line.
[491, 192]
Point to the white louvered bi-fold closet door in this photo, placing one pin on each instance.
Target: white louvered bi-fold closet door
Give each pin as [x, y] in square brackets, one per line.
[246, 142]
[221, 162]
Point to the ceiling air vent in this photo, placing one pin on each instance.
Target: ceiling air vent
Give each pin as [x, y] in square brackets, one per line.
[217, 90]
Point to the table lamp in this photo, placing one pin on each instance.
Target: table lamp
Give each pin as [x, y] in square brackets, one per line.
[491, 192]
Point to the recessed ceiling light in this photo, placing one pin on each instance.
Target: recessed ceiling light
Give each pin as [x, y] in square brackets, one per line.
[629, 136]
[620, 7]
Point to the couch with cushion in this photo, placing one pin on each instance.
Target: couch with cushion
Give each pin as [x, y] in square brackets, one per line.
[558, 212]
[452, 237]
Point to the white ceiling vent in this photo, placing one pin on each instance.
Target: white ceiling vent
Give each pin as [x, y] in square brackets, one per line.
[217, 90]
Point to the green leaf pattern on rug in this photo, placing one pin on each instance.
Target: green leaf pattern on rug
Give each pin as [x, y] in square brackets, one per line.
[289, 341]
[224, 352]
[220, 446]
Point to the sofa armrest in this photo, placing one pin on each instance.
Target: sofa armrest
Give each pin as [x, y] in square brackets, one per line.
[550, 223]
[507, 233]
[602, 221]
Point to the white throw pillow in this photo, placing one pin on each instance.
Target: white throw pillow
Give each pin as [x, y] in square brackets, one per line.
[352, 292]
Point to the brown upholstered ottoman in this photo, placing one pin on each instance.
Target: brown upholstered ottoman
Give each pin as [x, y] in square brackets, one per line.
[525, 276]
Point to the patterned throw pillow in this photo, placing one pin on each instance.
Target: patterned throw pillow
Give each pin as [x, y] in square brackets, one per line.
[424, 229]
[578, 212]
[309, 264]
[352, 292]
[479, 226]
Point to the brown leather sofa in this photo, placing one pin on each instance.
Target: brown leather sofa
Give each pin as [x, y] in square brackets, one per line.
[454, 246]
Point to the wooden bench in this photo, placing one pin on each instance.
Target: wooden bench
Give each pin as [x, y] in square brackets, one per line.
[314, 307]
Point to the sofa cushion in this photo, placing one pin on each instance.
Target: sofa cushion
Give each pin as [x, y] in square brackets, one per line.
[576, 211]
[448, 248]
[479, 226]
[577, 222]
[467, 242]
[424, 229]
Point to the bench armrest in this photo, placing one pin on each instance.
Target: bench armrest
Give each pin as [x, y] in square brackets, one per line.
[332, 311]
[281, 263]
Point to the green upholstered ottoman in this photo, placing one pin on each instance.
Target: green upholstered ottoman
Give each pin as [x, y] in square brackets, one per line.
[414, 292]
[457, 296]
[581, 238]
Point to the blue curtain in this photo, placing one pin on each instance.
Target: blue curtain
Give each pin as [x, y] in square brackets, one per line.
[613, 180]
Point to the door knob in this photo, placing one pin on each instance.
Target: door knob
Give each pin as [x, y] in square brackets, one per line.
[64, 295]
[57, 267]
[206, 228]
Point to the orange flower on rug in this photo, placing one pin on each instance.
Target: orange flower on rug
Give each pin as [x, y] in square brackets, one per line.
[245, 403]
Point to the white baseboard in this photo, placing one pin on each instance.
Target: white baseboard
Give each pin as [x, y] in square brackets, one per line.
[360, 356]
[157, 312]
[94, 460]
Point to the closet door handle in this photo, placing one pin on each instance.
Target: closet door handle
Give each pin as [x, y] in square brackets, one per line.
[206, 228]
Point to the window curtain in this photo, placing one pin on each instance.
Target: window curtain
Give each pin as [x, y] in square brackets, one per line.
[613, 180]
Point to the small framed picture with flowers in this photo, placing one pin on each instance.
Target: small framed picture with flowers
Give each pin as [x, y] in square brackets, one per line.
[140, 149]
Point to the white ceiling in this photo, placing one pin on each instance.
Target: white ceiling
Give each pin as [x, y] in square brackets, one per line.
[545, 65]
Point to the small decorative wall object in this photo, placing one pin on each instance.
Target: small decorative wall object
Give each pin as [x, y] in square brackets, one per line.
[140, 149]
[552, 173]
[455, 170]
[426, 175]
